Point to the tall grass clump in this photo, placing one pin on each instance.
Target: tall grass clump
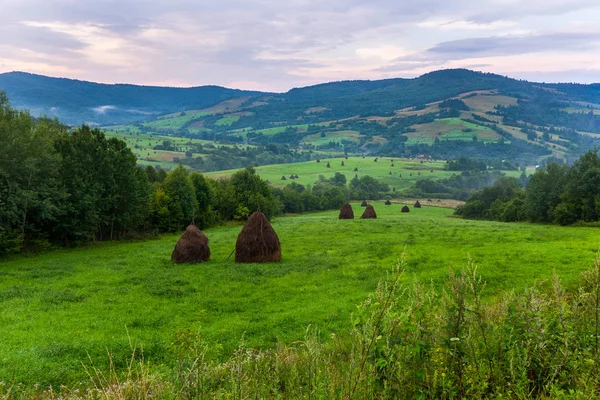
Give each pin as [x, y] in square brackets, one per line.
[408, 340]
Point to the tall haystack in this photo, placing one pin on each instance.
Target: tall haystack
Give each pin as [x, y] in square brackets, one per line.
[257, 242]
[328, 166]
[283, 178]
[390, 172]
[346, 157]
[292, 176]
[355, 169]
[346, 212]
[363, 204]
[342, 164]
[296, 176]
[192, 246]
[405, 209]
[318, 160]
[369, 212]
[417, 204]
[388, 203]
[392, 165]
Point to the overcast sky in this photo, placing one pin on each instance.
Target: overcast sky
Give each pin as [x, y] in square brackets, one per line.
[279, 44]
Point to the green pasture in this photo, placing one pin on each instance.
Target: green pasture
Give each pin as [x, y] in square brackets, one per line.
[308, 172]
[61, 309]
[450, 129]
[318, 140]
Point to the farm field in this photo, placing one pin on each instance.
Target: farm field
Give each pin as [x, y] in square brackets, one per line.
[62, 309]
[308, 172]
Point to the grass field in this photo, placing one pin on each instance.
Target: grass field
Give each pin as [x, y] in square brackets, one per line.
[308, 172]
[450, 129]
[61, 307]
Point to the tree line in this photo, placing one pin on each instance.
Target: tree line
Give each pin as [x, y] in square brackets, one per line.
[557, 194]
[65, 186]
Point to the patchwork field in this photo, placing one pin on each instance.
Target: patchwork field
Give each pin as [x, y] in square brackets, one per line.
[66, 309]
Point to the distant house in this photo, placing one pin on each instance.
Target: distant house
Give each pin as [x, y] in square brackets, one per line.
[421, 156]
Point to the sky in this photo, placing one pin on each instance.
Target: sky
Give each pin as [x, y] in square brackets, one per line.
[280, 44]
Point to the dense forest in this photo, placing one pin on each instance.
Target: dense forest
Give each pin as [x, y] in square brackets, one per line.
[556, 194]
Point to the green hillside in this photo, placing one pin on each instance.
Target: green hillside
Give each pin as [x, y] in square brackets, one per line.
[67, 308]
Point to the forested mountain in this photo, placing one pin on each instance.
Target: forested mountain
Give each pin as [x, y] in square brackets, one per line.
[75, 102]
[444, 114]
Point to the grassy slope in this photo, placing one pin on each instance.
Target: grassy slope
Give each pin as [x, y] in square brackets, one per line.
[59, 307]
[309, 171]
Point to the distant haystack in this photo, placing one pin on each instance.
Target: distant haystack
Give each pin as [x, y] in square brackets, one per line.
[417, 204]
[192, 246]
[318, 160]
[356, 169]
[328, 166]
[346, 157]
[292, 176]
[364, 203]
[375, 160]
[257, 242]
[392, 165]
[369, 212]
[283, 178]
[390, 172]
[388, 203]
[296, 176]
[343, 164]
[405, 209]
[394, 189]
[346, 212]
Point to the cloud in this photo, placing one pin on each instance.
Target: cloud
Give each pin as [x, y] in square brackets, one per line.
[278, 44]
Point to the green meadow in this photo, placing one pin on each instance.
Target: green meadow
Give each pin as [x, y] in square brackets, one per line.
[66, 309]
[404, 173]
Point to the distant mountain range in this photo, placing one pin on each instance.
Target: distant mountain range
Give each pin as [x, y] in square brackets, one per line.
[439, 111]
[76, 102]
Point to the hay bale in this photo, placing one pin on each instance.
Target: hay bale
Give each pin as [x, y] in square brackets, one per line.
[388, 203]
[192, 247]
[431, 171]
[257, 242]
[369, 212]
[405, 209]
[328, 166]
[346, 212]
[355, 169]
[417, 204]
[283, 178]
[364, 203]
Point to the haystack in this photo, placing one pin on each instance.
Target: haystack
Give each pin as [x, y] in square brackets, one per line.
[296, 176]
[346, 212]
[375, 160]
[390, 172]
[405, 209]
[388, 203]
[346, 157]
[392, 165]
[342, 164]
[257, 242]
[369, 212]
[363, 204]
[318, 160]
[283, 178]
[355, 168]
[417, 204]
[292, 176]
[328, 166]
[192, 246]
